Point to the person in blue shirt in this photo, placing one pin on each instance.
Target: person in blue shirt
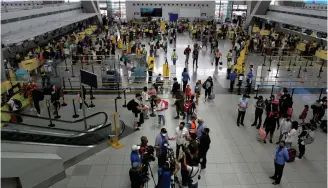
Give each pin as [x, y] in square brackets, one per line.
[242, 106]
[233, 77]
[281, 157]
[185, 79]
[200, 127]
[164, 175]
[135, 157]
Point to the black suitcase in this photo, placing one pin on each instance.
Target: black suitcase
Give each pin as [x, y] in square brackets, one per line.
[171, 40]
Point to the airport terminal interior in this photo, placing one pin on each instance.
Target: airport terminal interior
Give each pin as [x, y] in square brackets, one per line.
[166, 94]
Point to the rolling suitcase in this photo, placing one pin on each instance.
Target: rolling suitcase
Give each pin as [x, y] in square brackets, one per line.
[291, 154]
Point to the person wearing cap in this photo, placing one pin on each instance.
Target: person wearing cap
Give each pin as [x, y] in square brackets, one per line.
[135, 176]
[259, 106]
[200, 128]
[242, 106]
[135, 157]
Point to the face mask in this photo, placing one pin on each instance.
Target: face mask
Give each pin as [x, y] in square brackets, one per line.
[281, 146]
[163, 134]
[181, 127]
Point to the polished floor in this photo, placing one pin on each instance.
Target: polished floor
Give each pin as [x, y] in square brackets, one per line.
[236, 158]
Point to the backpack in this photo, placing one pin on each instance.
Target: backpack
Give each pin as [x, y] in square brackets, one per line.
[18, 103]
[166, 104]
[204, 85]
[308, 138]
[187, 106]
[130, 106]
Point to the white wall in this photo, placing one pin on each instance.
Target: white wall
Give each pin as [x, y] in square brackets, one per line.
[208, 8]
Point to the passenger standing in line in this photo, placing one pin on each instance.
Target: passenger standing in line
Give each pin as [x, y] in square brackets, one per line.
[160, 109]
[242, 106]
[200, 128]
[174, 57]
[281, 157]
[285, 126]
[292, 135]
[204, 146]
[232, 77]
[208, 86]
[259, 106]
[306, 137]
[217, 57]
[270, 125]
[185, 79]
[37, 95]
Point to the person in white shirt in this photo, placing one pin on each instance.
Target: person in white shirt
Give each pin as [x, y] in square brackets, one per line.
[194, 171]
[160, 109]
[12, 105]
[144, 100]
[292, 135]
[285, 127]
[181, 133]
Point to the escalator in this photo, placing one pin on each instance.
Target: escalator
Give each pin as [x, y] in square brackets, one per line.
[23, 132]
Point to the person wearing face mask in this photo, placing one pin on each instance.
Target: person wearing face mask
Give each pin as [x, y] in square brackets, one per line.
[200, 128]
[242, 106]
[135, 105]
[181, 133]
[204, 146]
[286, 126]
[161, 145]
[135, 156]
[291, 137]
[270, 125]
[281, 157]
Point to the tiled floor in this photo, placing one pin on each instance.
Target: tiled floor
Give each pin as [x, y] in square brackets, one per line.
[236, 158]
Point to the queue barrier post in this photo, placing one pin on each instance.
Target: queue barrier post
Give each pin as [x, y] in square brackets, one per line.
[289, 65]
[124, 95]
[72, 71]
[264, 61]
[93, 70]
[91, 104]
[277, 71]
[49, 114]
[279, 59]
[63, 101]
[66, 68]
[270, 61]
[115, 100]
[299, 72]
[70, 83]
[272, 90]
[320, 94]
[305, 67]
[57, 116]
[64, 85]
[294, 64]
[293, 91]
[114, 142]
[118, 91]
[311, 62]
[91, 94]
[75, 114]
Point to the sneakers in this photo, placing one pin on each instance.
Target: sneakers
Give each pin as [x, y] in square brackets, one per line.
[253, 124]
[242, 124]
[177, 117]
[264, 141]
[79, 109]
[270, 141]
[272, 177]
[38, 115]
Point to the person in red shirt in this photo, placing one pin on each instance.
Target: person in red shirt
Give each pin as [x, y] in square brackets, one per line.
[188, 92]
[187, 53]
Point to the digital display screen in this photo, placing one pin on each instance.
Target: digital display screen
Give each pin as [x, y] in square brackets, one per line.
[151, 12]
[318, 2]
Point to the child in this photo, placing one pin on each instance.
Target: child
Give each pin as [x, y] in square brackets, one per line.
[304, 113]
[188, 92]
[190, 108]
[198, 87]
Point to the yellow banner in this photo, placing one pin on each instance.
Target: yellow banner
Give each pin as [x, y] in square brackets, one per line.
[264, 32]
[256, 29]
[322, 54]
[301, 47]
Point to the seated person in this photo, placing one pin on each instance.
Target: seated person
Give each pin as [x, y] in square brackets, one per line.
[159, 81]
